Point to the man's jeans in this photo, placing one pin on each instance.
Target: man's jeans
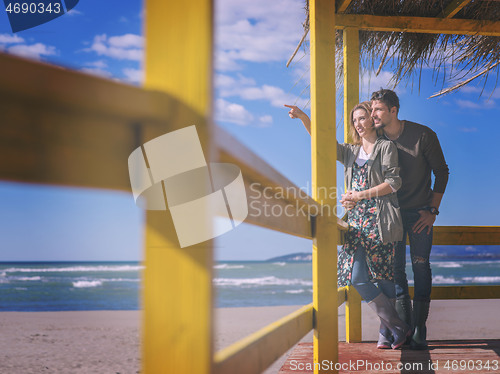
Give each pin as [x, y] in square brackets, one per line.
[420, 250]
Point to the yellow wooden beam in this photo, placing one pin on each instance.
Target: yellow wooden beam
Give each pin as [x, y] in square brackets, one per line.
[64, 127]
[341, 295]
[323, 155]
[418, 24]
[343, 6]
[353, 331]
[351, 98]
[253, 354]
[351, 76]
[177, 295]
[462, 292]
[453, 8]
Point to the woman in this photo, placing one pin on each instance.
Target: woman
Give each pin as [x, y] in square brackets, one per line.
[372, 179]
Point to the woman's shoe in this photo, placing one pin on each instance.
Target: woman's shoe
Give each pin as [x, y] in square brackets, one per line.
[384, 337]
[388, 315]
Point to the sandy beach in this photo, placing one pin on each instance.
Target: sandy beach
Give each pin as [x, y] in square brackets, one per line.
[101, 342]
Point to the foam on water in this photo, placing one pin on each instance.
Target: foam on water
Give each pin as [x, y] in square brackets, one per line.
[87, 284]
[74, 269]
[446, 264]
[261, 281]
[228, 266]
[483, 279]
[439, 279]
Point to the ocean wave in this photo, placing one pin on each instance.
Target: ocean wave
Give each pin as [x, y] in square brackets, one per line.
[228, 266]
[295, 291]
[262, 281]
[439, 279]
[86, 284]
[279, 263]
[446, 264]
[482, 279]
[108, 268]
[26, 278]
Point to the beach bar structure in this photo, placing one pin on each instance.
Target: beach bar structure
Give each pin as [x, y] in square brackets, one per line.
[66, 128]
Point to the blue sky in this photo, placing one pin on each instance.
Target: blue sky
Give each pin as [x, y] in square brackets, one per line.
[254, 39]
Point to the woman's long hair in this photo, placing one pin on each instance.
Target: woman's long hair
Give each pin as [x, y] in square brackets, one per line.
[367, 107]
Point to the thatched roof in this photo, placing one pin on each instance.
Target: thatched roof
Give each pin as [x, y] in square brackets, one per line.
[457, 59]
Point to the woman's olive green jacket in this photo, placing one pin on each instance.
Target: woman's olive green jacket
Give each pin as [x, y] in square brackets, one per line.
[382, 167]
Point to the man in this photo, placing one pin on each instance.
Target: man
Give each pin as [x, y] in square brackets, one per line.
[419, 154]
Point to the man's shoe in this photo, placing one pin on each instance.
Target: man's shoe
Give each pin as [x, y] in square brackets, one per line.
[420, 314]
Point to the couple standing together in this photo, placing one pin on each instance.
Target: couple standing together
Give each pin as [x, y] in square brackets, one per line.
[389, 198]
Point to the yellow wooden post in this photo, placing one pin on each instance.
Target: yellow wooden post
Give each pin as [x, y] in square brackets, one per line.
[351, 76]
[353, 316]
[177, 296]
[351, 98]
[322, 26]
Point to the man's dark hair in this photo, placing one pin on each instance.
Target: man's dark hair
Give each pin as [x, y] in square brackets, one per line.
[386, 96]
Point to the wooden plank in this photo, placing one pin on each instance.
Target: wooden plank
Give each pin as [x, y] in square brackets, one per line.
[343, 6]
[323, 156]
[453, 8]
[177, 294]
[341, 295]
[351, 76]
[351, 98]
[427, 25]
[466, 235]
[77, 92]
[253, 354]
[462, 292]
[353, 331]
[364, 358]
[63, 127]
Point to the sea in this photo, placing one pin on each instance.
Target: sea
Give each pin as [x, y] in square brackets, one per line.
[287, 280]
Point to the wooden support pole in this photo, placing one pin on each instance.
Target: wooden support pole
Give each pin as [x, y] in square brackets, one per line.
[353, 332]
[426, 25]
[351, 98]
[454, 7]
[322, 26]
[177, 296]
[343, 6]
[351, 76]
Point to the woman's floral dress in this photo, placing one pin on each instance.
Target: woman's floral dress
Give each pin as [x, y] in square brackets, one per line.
[363, 232]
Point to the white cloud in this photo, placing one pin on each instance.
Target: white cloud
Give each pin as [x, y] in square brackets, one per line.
[480, 91]
[256, 31]
[226, 111]
[265, 121]
[74, 12]
[226, 82]
[126, 41]
[369, 83]
[247, 89]
[134, 75]
[100, 64]
[470, 89]
[124, 47]
[97, 71]
[34, 51]
[10, 39]
[468, 104]
[468, 129]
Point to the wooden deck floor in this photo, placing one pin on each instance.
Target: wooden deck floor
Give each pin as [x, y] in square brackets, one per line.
[443, 356]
